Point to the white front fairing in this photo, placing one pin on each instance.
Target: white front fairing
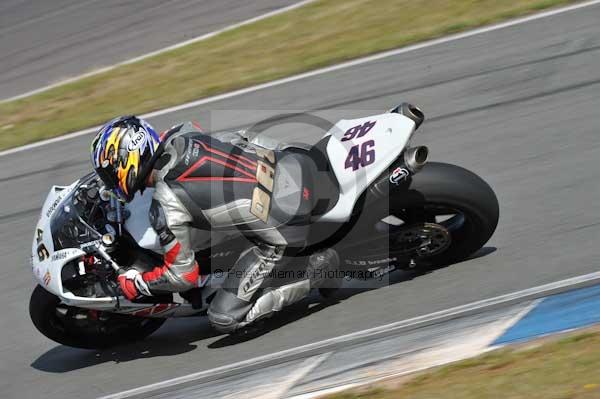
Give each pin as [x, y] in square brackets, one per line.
[390, 134]
[47, 263]
[45, 266]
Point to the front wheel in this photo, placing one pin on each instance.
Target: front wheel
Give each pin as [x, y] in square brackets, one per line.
[446, 215]
[83, 328]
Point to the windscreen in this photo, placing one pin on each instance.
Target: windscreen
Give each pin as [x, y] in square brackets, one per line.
[72, 224]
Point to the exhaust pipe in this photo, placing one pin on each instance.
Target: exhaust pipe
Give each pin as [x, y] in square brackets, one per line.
[415, 158]
[398, 176]
[410, 111]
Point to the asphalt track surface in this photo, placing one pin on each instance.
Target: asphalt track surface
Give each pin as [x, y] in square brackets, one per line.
[519, 106]
[43, 41]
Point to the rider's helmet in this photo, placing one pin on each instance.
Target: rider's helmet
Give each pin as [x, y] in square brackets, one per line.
[121, 153]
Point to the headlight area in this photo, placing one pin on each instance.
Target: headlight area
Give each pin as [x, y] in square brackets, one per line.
[67, 229]
[81, 216]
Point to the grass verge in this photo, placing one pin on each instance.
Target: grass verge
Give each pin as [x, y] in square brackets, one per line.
[319, 34]
[566, 368]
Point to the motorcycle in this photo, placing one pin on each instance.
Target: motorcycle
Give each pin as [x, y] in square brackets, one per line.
[376, 200]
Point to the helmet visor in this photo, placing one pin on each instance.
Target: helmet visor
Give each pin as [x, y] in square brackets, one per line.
[110, 183]
[107, 175]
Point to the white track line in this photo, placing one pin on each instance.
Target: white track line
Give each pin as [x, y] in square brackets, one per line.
[303, 370]
[162, 50]
[321, 71]
[373, 333]
[463, 347]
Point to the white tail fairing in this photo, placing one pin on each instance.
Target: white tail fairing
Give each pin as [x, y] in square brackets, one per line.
[359, 151]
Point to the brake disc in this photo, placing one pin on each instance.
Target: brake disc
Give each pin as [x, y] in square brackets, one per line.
[422, 240]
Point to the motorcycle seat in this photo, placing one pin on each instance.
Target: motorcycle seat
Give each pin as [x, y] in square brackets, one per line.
[305, 185]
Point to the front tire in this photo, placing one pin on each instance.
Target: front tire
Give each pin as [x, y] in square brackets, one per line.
[81, 328]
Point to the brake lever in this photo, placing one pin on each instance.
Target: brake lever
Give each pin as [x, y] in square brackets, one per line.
[101, 250]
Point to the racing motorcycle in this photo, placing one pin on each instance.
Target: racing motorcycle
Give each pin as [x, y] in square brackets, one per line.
[375, 199]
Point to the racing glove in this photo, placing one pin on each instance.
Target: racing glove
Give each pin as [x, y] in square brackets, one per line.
[133, 285]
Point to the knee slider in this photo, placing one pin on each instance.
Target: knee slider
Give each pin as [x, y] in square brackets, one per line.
[226, 311]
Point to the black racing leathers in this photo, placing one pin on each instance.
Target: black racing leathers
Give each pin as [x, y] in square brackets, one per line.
[223, 183]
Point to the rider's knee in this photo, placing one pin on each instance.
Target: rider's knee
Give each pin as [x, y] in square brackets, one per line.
[226, 311]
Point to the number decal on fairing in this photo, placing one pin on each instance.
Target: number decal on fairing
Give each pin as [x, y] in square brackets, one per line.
[361, 156]
[43, 253]
[358, 131]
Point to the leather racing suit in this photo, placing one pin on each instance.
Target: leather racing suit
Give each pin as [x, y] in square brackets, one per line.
[221, 183]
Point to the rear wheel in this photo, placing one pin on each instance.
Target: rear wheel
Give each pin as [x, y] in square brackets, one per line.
[447, 214]
[83, 328]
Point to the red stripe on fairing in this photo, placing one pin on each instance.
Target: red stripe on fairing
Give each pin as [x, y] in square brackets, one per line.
[184, 176]
[156, 309]
[238, 158]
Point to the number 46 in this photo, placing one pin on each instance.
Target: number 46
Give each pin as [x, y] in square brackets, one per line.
[361, 156]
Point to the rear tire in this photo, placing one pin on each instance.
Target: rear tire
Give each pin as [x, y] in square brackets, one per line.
[460, 189]
[438, 189]
[116, 330]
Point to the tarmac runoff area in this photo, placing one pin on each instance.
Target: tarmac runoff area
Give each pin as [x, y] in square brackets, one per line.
[394, 350]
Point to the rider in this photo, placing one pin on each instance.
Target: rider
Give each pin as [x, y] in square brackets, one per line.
[206, 183]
